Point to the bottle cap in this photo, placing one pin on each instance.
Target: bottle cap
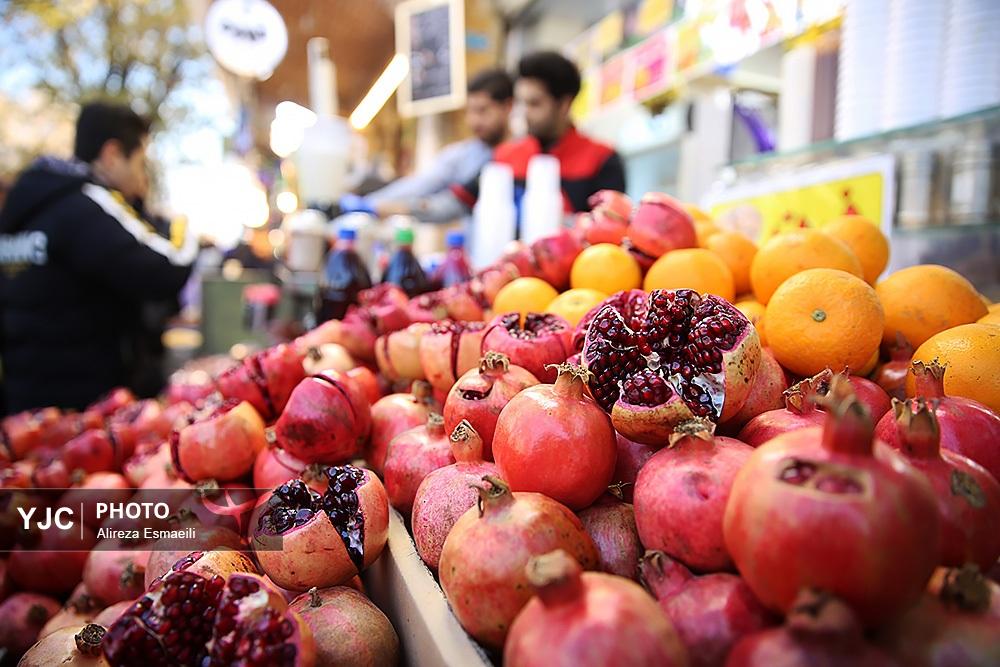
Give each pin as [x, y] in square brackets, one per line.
[455, 239]
[404, 236]
[347, 234]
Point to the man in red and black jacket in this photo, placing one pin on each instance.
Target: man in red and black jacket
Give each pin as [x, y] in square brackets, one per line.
[546, 86]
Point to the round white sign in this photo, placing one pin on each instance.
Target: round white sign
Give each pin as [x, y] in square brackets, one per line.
[246, 37]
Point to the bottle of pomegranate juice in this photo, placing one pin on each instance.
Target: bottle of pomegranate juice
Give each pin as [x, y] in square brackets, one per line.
[404, 269]
[344, 277]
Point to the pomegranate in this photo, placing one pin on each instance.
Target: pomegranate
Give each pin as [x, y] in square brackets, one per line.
[554, 256]
[303, 539]
[800, 411]
[467, 301]
[265, 379]
[219, 551]
[412, 455]
[493, 278]
[608, 218]
[595, 618]
[19, 475]
[328, 357]
[632, 456]
[956, 623]
[554, 439]
[968, 496]
[447, 493]
[274, 466]
[710, 613]
[325, 421]
[27, 431]
[767, 391]
[111, 613]
[398, 353]
[872, 395]
[111, 575]
[51, 472]
[672, 356]
[22, 617]
[535, 344]
[449, 350]
[482, 567]
[611, 525]
[106, 487]
[811, 500]
[681, 494]
[518, 255]
[144, 421]
[891, 375]
[967, 427]
[427, 308]
[660, 224]
[366, 380]
[820, 630]
[220, 442]
[54, 564]
[394, 414]
[76, 646]
[210, 504]
[91, 451]
[239, 620]
[111, 402]
[80, 608]
[148, 461]
[480, 395]
[349, 630]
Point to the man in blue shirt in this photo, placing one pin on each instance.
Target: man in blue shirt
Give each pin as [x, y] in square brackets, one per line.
[425, 194]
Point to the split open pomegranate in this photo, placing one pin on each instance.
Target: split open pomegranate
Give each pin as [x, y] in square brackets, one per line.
[662, 359]
[449, 350]
[535, 342]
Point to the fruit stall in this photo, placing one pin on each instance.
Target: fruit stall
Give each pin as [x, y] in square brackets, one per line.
[643, 440]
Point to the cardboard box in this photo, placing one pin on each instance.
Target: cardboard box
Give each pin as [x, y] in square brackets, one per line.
[405, 589]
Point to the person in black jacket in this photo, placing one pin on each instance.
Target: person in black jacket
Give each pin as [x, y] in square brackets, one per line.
[76, 264]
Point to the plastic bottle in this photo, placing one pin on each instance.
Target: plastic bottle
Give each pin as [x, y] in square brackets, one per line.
[455, 267]
[404, 269]
[494, 215]
[344, 277]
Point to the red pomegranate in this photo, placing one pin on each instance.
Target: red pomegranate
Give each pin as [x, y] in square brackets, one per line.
[26, 431]
[274, 466]
[412, 456]
[237, 620]
[660, 224]
[632, 456]
[480, 395]
[534, 343]
[22, 617]
[800, 411]
[108, 487]
[50, 471]
[608, 219]
[80, 608]
[681, 495]
[871, 395]
[111, 613]
[348, 628]
[392, 415]
[325, 421]
[554, 256]
[518, 255]
[113, 575]
[611, 525]
[91, 451]
[626, 301]
[891, 375]
[220, 442]
[74, 646]
[218, 551]
[398, 353]
[968, 496]
[429, 307]
[111, 402]
[956, 623]
[447, 493]
[466, 302]
[482, 568]
[811, 500]
[328, 357]
[493, 278]
[669, 357]
[767, 391]
[589, 619]
[148, 461]
[449, 350]
[53, 565]
[367, 381]
[967, 427]
[265, 379]
[820, 630]
[554, 439]
[711, 612]
[303, 539]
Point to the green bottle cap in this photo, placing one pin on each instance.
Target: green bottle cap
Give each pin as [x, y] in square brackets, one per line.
[404, 236]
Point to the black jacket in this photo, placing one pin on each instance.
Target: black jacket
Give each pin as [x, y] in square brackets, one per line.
[76, 262]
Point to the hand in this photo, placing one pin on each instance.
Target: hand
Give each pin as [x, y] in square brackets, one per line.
[352, 203]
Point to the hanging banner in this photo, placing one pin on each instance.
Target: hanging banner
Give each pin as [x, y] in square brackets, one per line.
[651, 73]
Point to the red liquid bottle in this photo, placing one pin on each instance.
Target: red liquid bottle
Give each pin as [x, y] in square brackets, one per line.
[455, 267]
[404, 269]
[344, 277]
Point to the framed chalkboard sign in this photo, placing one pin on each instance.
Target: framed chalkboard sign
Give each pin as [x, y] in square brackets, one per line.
[431, 33]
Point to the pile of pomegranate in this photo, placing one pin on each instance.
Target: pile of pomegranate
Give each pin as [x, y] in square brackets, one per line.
[648, 487]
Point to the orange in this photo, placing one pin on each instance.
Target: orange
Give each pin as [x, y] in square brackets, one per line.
[693, 268]
[870, 366]
[926, 299]
[573, 304]
[524, 295]
[824, 318]
[607, 268]
[992, 317]
[754, 311]
[865, 239]
[971, 354]
[790, 252]
[704, 230]
[737, 251]
[697, 214]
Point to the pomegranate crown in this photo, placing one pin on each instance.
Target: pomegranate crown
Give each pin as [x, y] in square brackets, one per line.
[696, 427]
[573, 371]
[492, 490]
[494, 360]
[463, 431]
[848, 427]
[803, 395]
[89, 639]
[917, 424]
[966, 588]
[816, 612]
[555, 568]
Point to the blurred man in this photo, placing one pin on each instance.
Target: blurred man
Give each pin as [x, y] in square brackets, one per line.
[547, 84]
[77, 262]
[487, 112]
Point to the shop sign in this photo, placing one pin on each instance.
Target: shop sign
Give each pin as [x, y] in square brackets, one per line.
[651, 73]
[246, 37]
[613, 81]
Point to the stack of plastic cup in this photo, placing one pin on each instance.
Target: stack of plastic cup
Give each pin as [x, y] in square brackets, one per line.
[542, 204]
[861, 68]
[972, 59]
[494, 215]
[914, 62]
